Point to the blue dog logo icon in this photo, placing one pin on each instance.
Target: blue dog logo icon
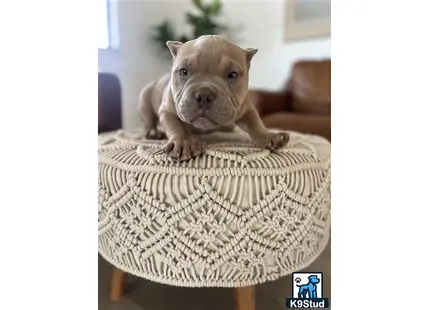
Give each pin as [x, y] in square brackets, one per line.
[309, 290]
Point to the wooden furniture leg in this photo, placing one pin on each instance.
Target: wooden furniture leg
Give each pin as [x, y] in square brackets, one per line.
[244, 298]
[117, 284]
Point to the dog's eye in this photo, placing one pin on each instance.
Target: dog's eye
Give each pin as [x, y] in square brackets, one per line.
[232, 75]
[183, 72]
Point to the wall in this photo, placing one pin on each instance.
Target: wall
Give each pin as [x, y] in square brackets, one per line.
[261, 22]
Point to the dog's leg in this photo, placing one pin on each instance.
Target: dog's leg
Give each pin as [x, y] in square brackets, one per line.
[227, 128]
[252, 124]
[147, 114]
[301, 292]
[180, 146]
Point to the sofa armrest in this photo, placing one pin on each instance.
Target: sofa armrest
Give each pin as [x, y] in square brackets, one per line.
[268, 102]
[304, 123]
[110, 103]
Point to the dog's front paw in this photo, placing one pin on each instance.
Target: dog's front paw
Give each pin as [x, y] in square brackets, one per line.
[182, 150]
[273, 140]
[155, 134]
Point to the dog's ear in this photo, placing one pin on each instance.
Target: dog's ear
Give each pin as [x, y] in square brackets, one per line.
[250, 52]
[174, 47]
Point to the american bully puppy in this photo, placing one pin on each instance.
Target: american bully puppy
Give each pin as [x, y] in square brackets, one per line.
[206, 90]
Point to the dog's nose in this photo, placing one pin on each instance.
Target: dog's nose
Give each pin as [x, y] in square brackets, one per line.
[204, 97]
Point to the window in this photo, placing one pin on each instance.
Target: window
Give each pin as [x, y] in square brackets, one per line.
[103, 35]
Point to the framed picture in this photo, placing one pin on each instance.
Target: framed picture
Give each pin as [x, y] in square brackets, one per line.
[306, 19]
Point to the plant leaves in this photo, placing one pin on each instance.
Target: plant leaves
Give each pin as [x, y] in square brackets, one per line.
[216, 6]
[183, 39]
[192, 19]
[202, 22]
[198, 4]
[163, 33]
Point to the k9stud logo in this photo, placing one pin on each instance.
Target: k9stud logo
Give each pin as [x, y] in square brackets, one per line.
[307, 291]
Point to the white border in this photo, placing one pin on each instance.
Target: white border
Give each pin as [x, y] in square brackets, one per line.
[380, 154]
[380, 144]
[48, 178]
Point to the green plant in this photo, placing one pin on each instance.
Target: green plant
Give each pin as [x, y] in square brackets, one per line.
[203, 23]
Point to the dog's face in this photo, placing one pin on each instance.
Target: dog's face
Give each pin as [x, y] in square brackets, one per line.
[314, 279]
[209, 80]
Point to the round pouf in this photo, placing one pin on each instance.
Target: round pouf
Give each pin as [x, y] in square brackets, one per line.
[235, 216]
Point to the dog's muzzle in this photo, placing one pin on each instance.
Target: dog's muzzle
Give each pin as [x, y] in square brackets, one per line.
[206, 107]
[204, 97]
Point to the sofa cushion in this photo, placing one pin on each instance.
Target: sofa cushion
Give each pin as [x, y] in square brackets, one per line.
[310, 87]
[304, 123]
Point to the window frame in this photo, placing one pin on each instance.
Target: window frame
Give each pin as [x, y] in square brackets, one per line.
[112, 26]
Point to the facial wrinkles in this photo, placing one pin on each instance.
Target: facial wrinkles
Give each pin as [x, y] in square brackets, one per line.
[178, 94]
[182, 90]
[233, 99]
[210, 68]
[224, 91]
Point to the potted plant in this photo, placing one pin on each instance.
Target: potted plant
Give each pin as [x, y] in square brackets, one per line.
[203, 22]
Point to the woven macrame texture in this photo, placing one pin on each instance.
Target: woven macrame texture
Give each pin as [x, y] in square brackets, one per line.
[235, 216]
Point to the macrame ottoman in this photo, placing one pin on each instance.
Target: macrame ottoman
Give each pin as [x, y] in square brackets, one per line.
[236, 216]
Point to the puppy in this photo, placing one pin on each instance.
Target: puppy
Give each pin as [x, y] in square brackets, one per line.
[206, 90]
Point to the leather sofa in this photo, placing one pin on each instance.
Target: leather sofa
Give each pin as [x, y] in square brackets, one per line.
[110, 103]
[303, 104]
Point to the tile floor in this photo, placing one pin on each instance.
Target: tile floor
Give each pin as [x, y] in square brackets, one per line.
[142, 294]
